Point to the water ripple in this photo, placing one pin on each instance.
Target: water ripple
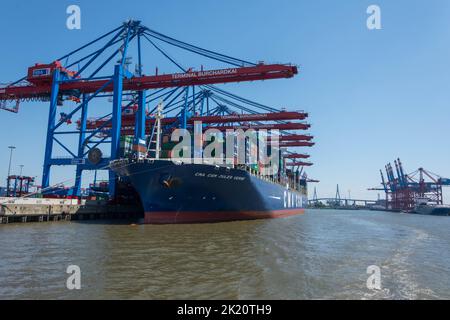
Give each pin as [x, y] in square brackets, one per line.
[321, 255]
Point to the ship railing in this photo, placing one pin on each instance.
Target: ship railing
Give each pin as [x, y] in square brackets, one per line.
[268, 178]
[205, 161]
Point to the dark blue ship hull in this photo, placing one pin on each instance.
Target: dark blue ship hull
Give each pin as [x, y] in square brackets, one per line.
[195, 193]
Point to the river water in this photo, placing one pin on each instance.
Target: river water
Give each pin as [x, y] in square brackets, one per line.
[323, 254]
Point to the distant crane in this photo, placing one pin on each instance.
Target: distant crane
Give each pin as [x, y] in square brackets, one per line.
[88, 74]
[404, 190]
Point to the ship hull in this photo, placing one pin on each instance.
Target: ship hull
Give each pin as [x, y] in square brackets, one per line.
[197, 193]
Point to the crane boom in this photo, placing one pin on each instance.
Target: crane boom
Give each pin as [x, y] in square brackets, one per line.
[190, 78]
[294, 137]
[268, 126]
[296, 144]
[129, 120]
[297, 156]
[276, 126]
[299, 164]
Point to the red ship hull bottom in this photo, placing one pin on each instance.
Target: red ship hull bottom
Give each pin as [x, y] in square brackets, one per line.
[171, 217]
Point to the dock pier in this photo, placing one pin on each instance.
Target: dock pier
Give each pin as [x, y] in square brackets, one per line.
[22, 210]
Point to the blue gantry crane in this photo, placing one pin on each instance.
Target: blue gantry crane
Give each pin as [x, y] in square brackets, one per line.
[82, 81]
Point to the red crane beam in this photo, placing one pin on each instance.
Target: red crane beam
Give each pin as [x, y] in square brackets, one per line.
[259, 72]
[297, 156]
[299, 164]
[296, 144]
[129, 120]
[281, 126]
[294, 137]
[129, 130]
[269, 126]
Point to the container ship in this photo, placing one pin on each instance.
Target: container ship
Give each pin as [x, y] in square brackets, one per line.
[194, 193]
[181, 190]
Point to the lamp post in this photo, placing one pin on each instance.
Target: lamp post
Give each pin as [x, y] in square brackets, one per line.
[10, 159]
[21, 168]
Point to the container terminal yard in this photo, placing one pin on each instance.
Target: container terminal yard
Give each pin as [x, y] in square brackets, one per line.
[145, 107]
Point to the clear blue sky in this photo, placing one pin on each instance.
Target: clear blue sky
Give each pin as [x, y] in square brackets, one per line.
[372, 95]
